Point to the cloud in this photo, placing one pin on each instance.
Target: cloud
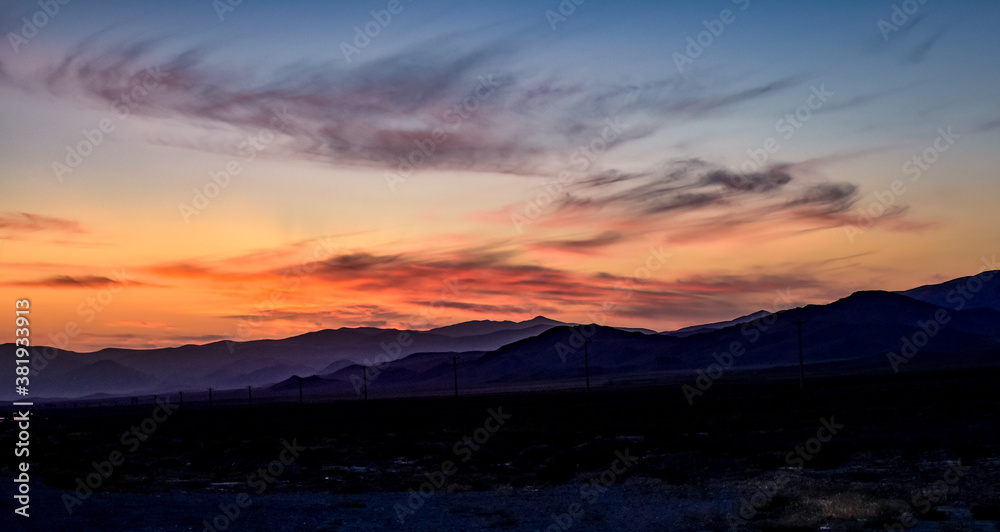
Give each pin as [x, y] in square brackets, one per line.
[421, 289]
[694, 185]
[139, 324]
[449, 107]
[919, 53]
[703, 105]
[583, 245]
[989, 125]
[66, 281]
[356, 262]
[18, 222]
[479, 308]
[825, 199]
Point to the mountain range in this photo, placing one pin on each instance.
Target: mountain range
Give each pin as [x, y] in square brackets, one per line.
[951, 324]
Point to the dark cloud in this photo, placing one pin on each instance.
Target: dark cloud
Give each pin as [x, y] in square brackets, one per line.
[918, 53]
[703, 105]
[23, 221]
[465, 107]
[827, 198]
[354, 262]
[695, 184]
[989, 125]
[766, 181]
[66, 281]
[493, 310]
[583, 245]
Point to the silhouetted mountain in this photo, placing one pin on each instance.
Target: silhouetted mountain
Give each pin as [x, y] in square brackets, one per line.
[857, 331]
[977, 291]
[103, 375]
[313, 382]
[481, 327]
[642, 330]
[255, 363]
[698, 329]
[854, 332]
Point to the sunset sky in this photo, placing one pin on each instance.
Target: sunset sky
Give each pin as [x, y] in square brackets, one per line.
[269, 169]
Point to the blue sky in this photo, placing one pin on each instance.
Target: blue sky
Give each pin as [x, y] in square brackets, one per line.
[832, 102]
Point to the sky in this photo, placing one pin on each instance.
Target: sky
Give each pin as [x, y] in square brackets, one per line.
[192, 171]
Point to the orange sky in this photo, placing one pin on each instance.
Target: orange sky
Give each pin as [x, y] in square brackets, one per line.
[608, 187]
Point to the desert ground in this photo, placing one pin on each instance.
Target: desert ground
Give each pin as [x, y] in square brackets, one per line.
[914, 451]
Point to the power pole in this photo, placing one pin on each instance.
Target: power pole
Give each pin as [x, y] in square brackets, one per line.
[802, 370]
[365, 375]
[454, 369]
[586, 363]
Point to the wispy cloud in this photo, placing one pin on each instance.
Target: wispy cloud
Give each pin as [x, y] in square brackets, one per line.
[139, 324]
[67, 281]
[688, 198]
[368, 288]
[492, 118]
[587, 245]
[18, 222]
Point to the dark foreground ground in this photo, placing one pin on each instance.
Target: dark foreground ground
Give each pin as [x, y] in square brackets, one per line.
[908, 451]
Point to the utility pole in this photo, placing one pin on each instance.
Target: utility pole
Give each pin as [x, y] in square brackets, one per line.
[454, 369]
[586, 363]
[364, 371]
[802, 371]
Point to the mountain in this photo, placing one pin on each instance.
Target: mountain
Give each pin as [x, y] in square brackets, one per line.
[977, 291]
[259, 362]
[697, 329]
[481, 327]
[104, 375]
[855, 333]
